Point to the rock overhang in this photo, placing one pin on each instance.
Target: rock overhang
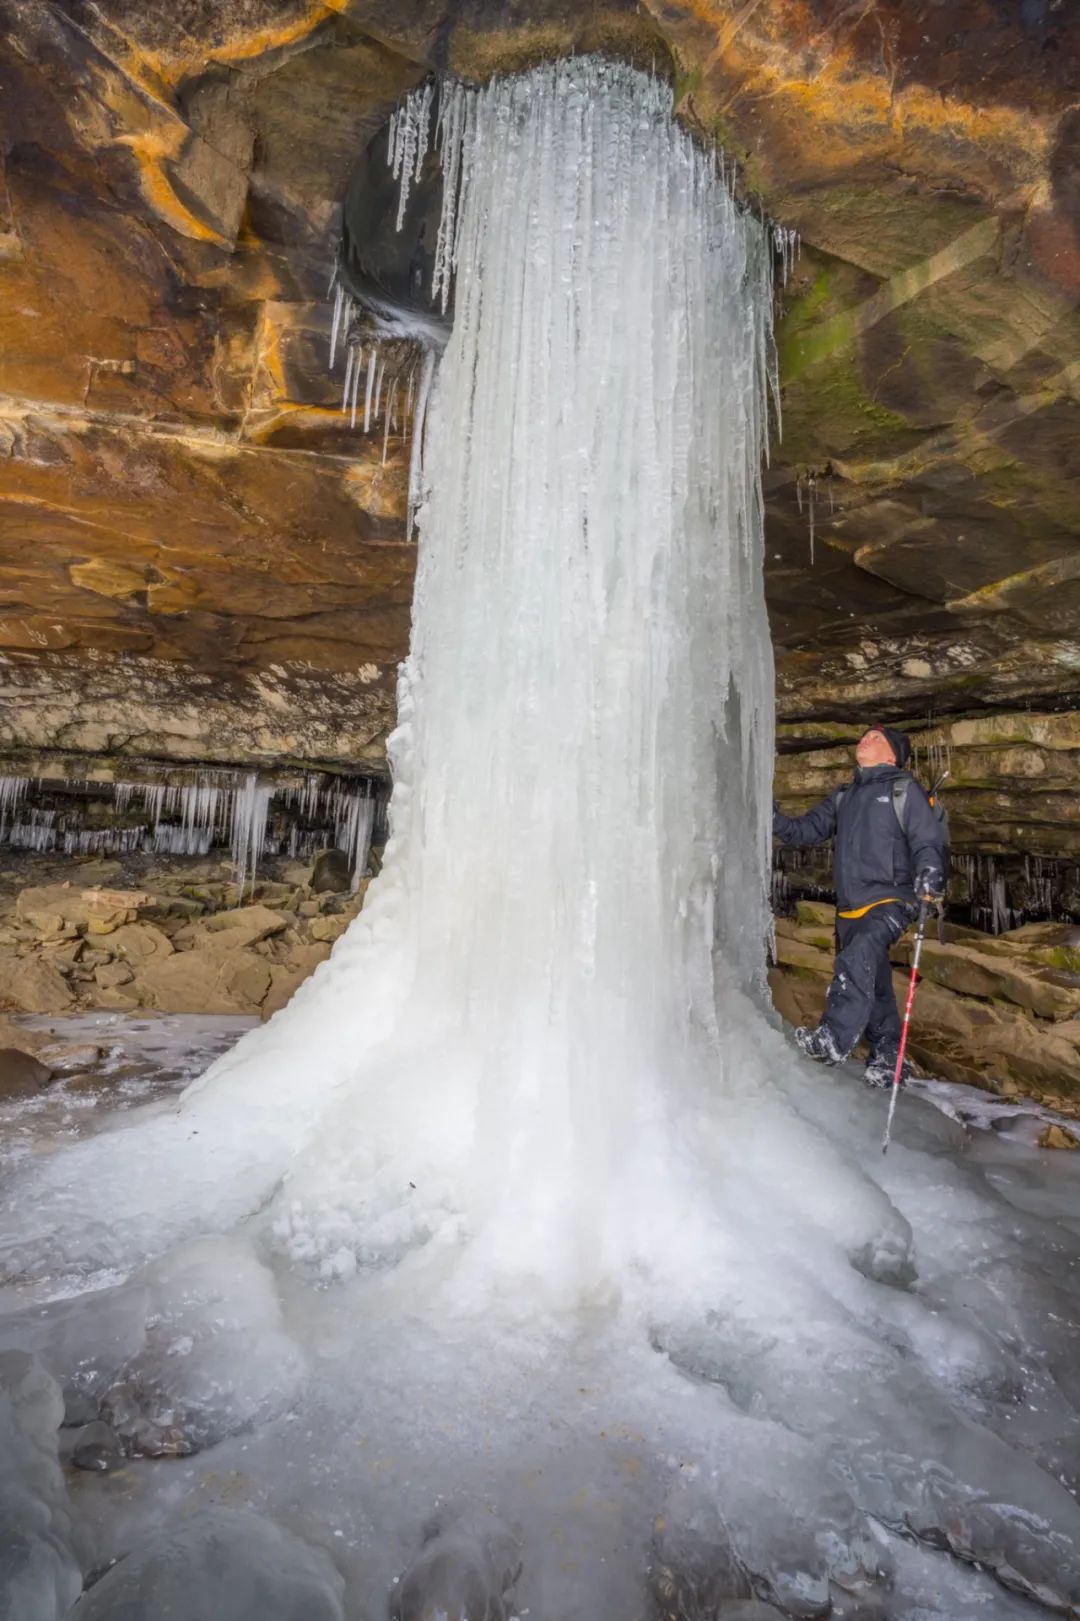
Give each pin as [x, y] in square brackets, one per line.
[180, 488]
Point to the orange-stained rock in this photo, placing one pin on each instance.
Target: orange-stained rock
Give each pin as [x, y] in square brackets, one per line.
[185, 514]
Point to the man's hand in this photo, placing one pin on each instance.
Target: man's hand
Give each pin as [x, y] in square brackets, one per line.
[929, 884]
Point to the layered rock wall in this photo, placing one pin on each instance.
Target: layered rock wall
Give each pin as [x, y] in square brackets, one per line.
[201, 560]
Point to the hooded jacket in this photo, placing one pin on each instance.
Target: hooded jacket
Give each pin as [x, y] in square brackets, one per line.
[876, 859]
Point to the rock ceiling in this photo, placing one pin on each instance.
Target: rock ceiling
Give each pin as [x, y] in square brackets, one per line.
[199, 558]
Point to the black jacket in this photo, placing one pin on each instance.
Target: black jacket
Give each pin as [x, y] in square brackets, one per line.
[875, 857]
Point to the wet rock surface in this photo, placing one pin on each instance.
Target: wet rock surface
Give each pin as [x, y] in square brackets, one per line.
[21, 1075]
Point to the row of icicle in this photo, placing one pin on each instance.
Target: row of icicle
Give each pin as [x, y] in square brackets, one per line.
[407, 148]
[189, 818]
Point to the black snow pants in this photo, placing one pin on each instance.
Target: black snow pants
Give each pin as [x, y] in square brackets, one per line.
[861, 996]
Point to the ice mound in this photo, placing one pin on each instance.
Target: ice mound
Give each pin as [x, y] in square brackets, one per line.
[221, 1565]
[40, 1552]
[215, 1357]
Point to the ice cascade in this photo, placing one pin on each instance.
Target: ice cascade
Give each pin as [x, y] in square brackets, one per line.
[601, 1257]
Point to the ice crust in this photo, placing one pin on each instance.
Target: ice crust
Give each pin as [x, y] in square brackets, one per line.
[522, 1206]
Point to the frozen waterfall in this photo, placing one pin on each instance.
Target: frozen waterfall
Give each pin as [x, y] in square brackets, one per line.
[521, 1206]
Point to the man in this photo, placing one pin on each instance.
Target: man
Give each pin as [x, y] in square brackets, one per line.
[882, 869]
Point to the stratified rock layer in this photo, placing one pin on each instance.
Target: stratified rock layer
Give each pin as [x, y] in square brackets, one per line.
[1011, 784]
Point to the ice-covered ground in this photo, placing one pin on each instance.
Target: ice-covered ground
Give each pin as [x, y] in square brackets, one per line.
[519, 1265]
[112, 1062]
[634, 1468]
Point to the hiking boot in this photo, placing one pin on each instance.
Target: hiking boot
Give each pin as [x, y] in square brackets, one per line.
[882, 1067]
[819, 1044]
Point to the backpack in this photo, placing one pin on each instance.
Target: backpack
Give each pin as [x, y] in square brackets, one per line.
[899, 803]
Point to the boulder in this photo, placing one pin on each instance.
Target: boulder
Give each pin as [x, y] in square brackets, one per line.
[304, 959]
[38, 915]
[1056, 1136]
[69, 1057]
[112, 974]
[41, 1043]
[329, 928]
[796, 954]
[220, 981]
[21, 1076]
[50, 909]
[284, 983]
[247, 979]
[228, 931]
[970, 972]
[37, 987]
[993, 1045]
[331, 872]
[118, 999]
[816, 914]
[137, 942]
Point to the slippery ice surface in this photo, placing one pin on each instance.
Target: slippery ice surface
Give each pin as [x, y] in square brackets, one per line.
[519, 1263]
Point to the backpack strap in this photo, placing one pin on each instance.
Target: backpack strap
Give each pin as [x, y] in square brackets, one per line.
[899, 800]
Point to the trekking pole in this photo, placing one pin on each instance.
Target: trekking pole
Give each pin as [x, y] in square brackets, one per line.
[920, 933]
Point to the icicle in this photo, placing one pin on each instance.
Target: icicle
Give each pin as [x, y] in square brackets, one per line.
[339, 304]
[422, 133]
[248, 833]
[409, 144]
[12, 791]
[123, 794]
[356, 817]
[350, 363]
[372, 356]
[811, 483]
[35, 831]
[355, 389]
[453, 115]
[387, 419]
[416, 461]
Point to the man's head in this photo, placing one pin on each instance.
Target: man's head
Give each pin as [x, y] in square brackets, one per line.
[882, 745]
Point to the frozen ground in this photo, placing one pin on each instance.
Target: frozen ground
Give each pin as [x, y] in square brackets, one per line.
[140, 1059]
[656, 1476]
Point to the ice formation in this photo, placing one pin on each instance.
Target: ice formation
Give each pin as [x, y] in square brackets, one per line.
[537, 1214]
[190, 818]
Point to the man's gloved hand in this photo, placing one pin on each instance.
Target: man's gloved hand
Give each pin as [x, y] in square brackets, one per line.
[929, 884]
